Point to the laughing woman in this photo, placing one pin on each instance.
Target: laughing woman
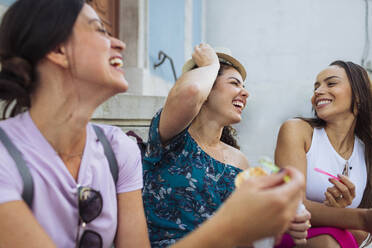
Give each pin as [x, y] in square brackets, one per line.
[58, 64]
[192, 157]
[189, 168]
[338, 140]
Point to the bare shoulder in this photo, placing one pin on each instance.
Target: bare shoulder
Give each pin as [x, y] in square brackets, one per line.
[237, 158]
[296, 129]
[294, 140]
[297, 125]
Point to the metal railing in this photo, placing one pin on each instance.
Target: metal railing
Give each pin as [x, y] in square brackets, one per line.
[162, 56]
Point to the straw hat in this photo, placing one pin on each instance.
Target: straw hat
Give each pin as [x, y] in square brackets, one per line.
[224, 55]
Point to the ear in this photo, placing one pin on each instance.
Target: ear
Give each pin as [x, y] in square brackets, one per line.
[58, 56]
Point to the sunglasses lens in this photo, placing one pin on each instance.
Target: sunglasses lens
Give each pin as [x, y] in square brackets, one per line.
[90, 239]
[90, 204]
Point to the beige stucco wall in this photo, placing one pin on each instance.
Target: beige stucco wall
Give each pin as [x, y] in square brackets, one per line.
[129, 112]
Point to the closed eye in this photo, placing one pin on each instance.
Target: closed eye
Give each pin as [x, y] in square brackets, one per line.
[104, 31]
[237, 83]
[99, 26]
[316, 86]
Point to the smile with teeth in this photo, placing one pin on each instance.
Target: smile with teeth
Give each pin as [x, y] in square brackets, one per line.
[323, 102]
[116, 62]
[238, 104]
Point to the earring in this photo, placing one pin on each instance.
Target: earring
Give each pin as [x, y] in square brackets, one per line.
[65, 63]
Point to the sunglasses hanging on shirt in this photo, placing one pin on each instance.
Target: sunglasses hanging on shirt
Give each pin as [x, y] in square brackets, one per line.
[90, 207]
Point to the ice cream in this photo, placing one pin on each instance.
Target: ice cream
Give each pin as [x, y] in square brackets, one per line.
[258, 171]
[250, 172]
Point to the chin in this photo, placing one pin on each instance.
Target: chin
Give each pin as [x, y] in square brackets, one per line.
[322, 116]
[321, 113]
[236, 120]
[121, 86]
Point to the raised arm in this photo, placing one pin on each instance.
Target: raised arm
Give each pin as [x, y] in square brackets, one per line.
[189, 93]
[19, 228]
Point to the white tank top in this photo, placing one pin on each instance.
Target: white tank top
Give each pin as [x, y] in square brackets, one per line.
[322, 155]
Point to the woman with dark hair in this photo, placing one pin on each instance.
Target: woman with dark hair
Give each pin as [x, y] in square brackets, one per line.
[58, 64]
[192, 157]
[188, 169]
[339, 141]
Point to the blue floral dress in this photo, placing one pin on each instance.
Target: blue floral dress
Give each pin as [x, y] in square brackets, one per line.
[183, 186]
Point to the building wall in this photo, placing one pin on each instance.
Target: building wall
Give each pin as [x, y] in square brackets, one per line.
[283, 44]
[167, 34]
[197, 22]
[174, 28]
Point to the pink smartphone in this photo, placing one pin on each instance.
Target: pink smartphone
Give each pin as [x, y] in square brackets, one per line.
[326, 173]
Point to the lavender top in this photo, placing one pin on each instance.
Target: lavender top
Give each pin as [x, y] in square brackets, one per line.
[55, 204]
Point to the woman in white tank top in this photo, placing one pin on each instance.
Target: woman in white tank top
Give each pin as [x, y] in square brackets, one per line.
[339, 141]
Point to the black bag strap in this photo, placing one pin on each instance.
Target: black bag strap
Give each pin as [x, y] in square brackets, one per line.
[141, 144]
[108, 152]
[28, 184]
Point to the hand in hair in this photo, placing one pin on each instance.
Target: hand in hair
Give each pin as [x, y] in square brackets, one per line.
[189, 93]
[204, 55]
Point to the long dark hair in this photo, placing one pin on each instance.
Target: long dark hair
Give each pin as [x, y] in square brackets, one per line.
[228, 137]
[29, 30]
[362, 101]
[228, 132]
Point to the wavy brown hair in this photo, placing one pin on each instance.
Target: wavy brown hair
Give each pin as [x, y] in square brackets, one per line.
[228, 132]
[228, 137]
[361, 100]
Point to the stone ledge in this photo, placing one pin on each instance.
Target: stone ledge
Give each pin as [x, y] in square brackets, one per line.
[129, 107]
[129, 112]
[143, 82]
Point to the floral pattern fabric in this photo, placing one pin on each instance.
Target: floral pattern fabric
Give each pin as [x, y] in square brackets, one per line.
[183, 185]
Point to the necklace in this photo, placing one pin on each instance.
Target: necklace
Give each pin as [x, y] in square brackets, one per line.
[347, 169]
[70, 155]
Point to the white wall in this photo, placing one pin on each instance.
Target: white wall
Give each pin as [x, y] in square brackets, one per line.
[283, 44]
